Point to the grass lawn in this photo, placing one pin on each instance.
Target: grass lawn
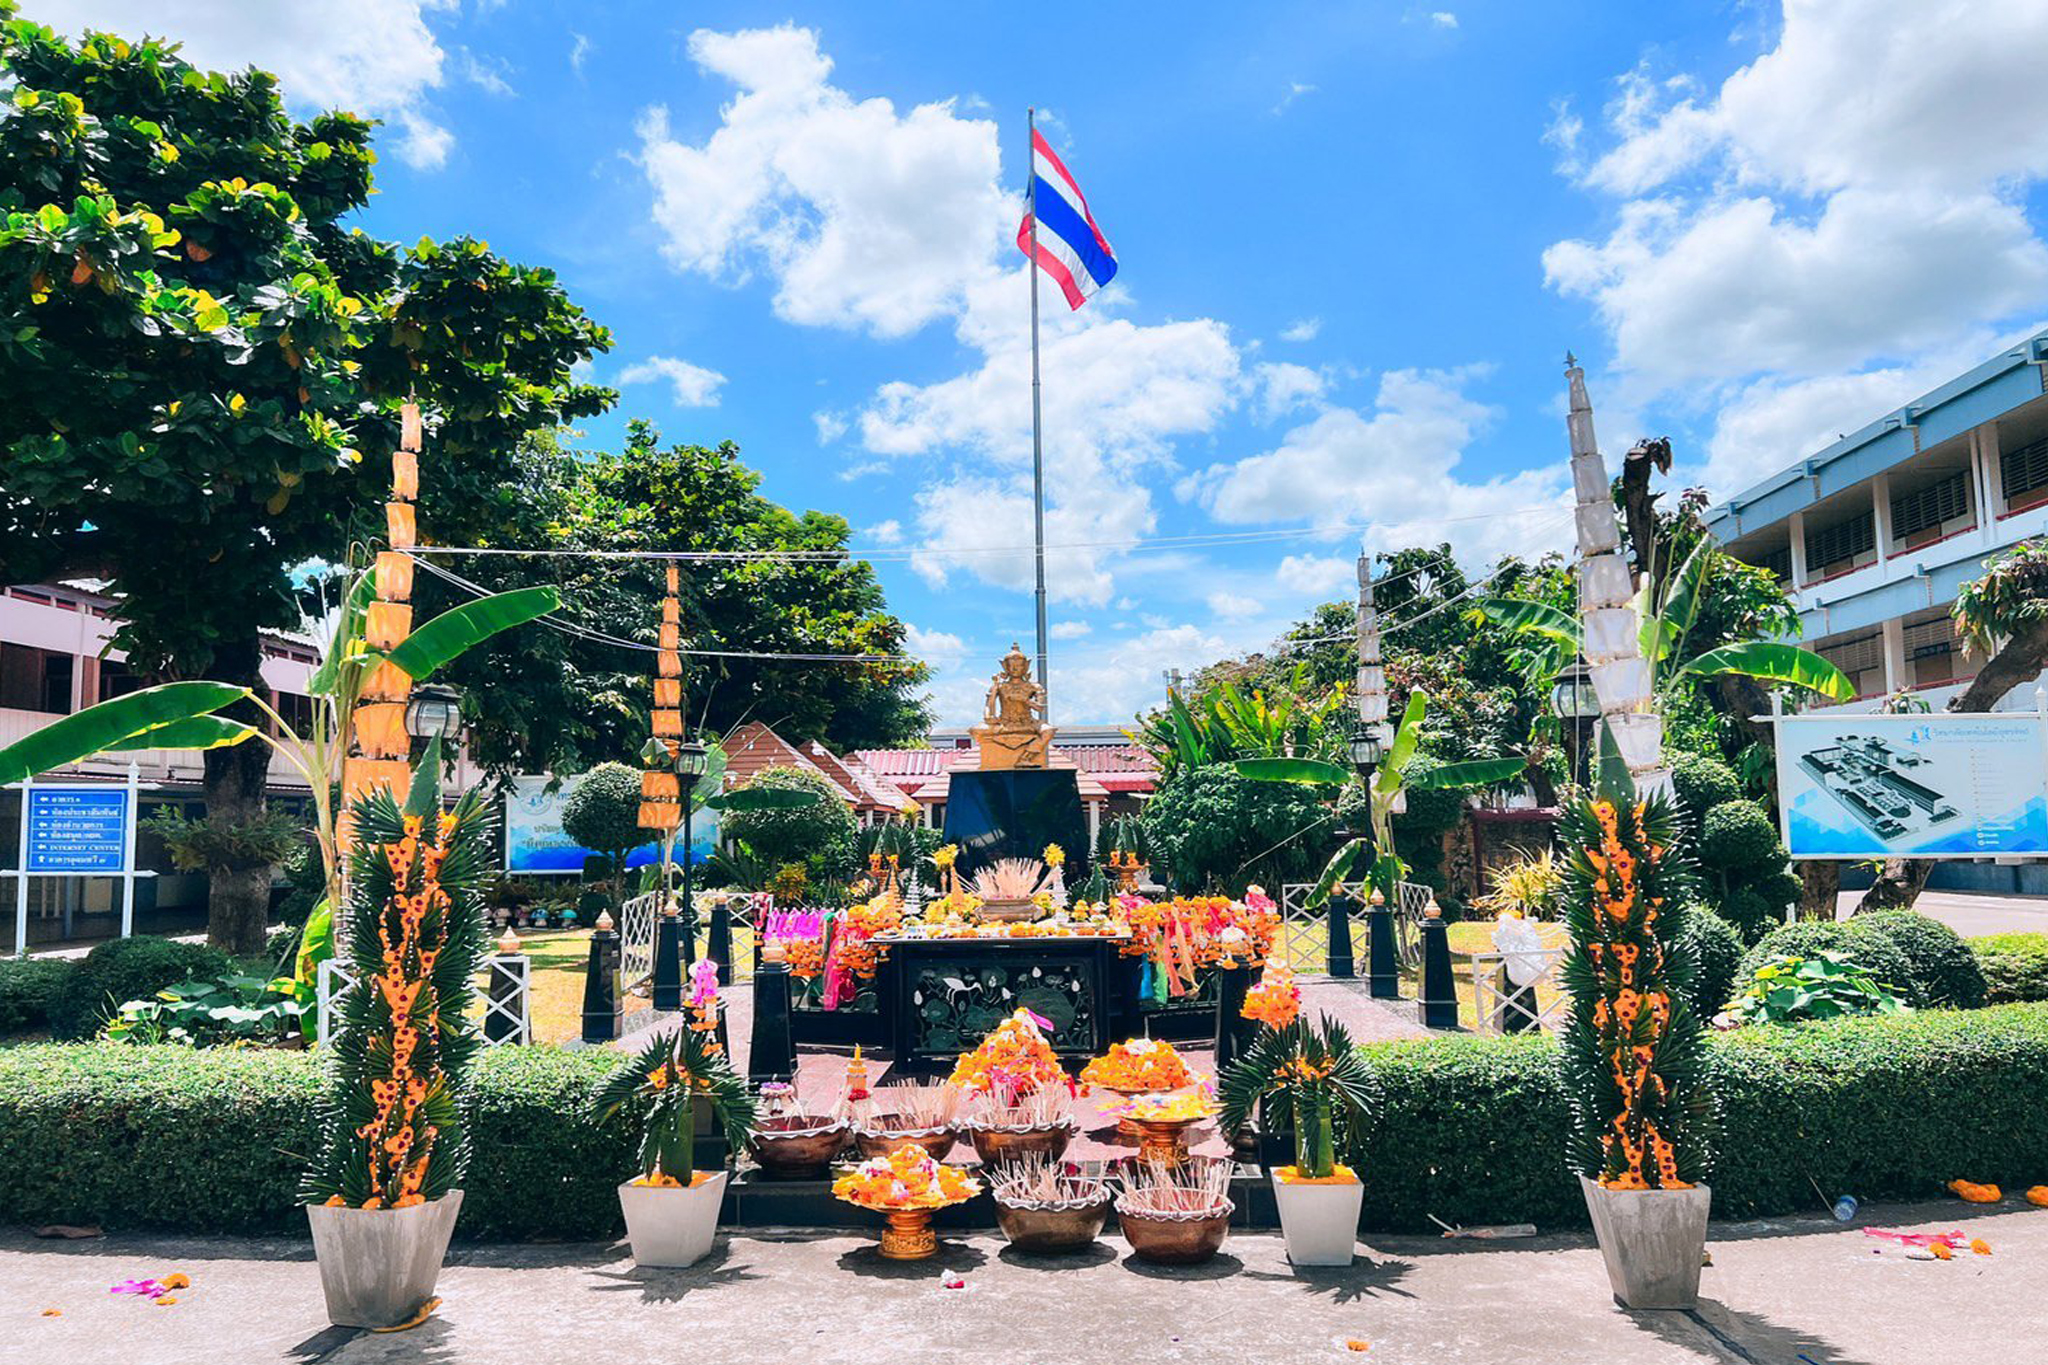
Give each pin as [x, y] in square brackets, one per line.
[561, 957]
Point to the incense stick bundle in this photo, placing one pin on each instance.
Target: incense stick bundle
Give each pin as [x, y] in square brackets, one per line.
[1197, 1187]
[1045, 1106]
[908, 1107]
[1035, 1180]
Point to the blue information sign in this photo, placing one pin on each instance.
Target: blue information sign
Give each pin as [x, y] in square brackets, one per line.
[74, 829]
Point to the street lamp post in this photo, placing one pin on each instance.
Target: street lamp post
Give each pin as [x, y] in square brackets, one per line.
[433, 712]
[1365, 752]
[1575, 702]
[692, 759]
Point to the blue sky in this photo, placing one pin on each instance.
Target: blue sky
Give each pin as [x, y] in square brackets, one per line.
[1356, 241]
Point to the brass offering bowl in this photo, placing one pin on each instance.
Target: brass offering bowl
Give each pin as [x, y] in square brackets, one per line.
[1126, 1126]
[1008, 912]
[1051, 1227]
[1164, 1140]
[883, 1135]
[998, 1143]
[907, 1235]
[1174, 1238]
[798, 1146]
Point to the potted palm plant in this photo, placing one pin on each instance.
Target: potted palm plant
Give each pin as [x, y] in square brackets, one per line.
[384, 1186]
[1311, 1079]
[671, 1207]
[1633, 1052]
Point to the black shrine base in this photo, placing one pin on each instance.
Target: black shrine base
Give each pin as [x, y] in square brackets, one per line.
[1014, 813]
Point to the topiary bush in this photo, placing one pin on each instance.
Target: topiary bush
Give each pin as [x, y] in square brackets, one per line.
[1212, 828]
[28, 987]
[1701, 782]
[125, 969]
[1717, 953]
[1743, 864]
[2015, 966]
[823, 837]
[1864, 946]
[1945, 971]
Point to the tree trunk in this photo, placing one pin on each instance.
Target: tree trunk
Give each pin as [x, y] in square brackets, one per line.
[2020, 662]
[238, 901]
[1821, 889]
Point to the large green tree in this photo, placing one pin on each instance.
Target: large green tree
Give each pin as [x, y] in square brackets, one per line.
[582, 698]
[203, 362]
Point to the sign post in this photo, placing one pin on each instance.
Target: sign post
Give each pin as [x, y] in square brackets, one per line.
[78, 830]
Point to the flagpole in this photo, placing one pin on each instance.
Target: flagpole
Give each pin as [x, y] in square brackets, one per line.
[1037, 440]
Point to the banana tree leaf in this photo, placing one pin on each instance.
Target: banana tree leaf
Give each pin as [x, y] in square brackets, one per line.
[1406, 740]
[1193, 753]
[451, 633]
[1336, 871]
[98, 728]
[1478, 772]
[706, 791]
[194, 732]
[1310, 770]
[425, 797]
[763, 798]
[1681, 602]
[349, 627]
[1534, 618]
[1768, 661]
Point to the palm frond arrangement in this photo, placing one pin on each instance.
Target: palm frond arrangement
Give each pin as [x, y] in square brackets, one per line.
[909, 1107]
[1312, 1080]
[668, 1076]
[1633, 1055]
[1196, 1188]
[391, 1120]
[1010, 879]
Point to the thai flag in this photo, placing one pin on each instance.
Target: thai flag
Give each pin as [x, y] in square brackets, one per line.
[1071, 248]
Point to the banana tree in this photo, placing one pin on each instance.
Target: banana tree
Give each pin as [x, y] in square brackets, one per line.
[1395, 777]
[1225, 723]
[183, 715]
[1665, 627]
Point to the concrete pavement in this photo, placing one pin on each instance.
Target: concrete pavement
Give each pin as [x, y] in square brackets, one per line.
[1780, 1292]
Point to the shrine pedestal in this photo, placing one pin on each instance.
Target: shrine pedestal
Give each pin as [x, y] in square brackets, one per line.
[946, 995]
[1014, 813]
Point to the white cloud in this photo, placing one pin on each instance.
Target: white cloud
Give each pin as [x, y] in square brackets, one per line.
[1113, 681]
[1069, 629]
[1317, 576]
[864, 217]
[1295, 90]
[939, 648]
[375, 57]
[1812, 235]
[1303, 329]
[492, 75]
[693, 385]
[1443, 18]
[888, 532]
[831, 426]
[1283, 387]
[579, 52]
[1234, 606]
[1394, 467]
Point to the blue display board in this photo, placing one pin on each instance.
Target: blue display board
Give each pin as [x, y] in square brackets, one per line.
[536, 843]
[1935, 785]
[77, 830]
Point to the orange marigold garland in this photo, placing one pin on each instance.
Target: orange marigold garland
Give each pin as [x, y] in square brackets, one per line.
[1275, 1001]
[1014, 1056]
[1139, 1064]
[391, 1132]
[1633, 1050]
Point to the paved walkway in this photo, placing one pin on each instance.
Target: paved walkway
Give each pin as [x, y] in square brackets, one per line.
[1781, 1293]
[1971, 914]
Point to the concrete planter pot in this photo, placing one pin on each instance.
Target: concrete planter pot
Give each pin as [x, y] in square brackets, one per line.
[672, 1226]
[377, 1266]
[1320, 1221]
[1652, 1241]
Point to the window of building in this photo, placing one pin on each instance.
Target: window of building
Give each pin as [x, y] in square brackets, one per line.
[1861, 658]
[117, 679]
[1920, 516]
[1933, 654]
[2024, 475]
[1779, 562]
[1836, 546]
[297, 710]
[34, 679]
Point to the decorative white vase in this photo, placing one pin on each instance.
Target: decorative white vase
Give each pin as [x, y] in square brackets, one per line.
[377, 1266]
[1320, 1221]
[672, 1226]
[1653, 1242]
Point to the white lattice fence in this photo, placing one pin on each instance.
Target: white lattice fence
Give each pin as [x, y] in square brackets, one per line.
[636, 941]
[1305, 935]
[1504, 1006]
[507, 996]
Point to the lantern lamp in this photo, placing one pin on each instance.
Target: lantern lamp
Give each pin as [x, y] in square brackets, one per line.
[434, 711]
[1365, 747]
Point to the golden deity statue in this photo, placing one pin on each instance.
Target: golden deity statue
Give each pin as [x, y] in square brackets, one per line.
[1013, 733]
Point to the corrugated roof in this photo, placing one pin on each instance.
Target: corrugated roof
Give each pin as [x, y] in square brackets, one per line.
[754, 747]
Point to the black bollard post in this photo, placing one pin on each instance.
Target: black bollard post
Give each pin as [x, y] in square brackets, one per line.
[604, 1009]
[771, 1052]
[1338, 920]
[668, 961]
[1233, 1030]
[719, 949]
[1438, 1005]
[1383, 957]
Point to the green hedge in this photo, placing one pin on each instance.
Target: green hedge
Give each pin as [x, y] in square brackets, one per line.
[213, 1140]
[1882, 1108]
[2015, 966]
[28, 988]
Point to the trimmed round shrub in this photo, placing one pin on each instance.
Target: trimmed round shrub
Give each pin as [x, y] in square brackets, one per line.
[125, 969]
[2015, 966]
[1866, 947]
[28, 987]
[1701, 783]
[1738, 835]
[603, 812]
[1717, 950]
[823, 836]
[1215, 828]
[1945, 971]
